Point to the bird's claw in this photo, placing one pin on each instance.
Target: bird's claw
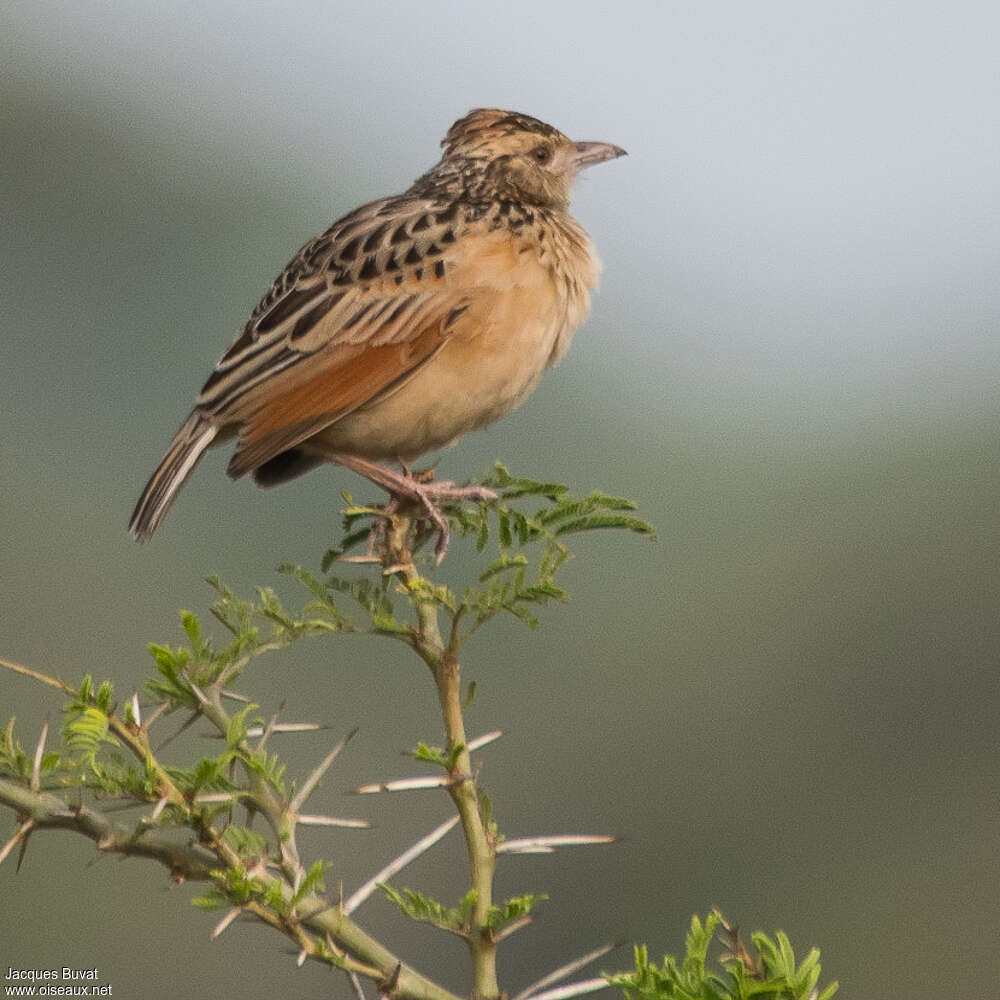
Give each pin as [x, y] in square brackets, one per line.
[426, 495]
[429, 494]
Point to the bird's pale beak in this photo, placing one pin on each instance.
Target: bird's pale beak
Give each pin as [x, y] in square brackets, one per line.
[589, 153]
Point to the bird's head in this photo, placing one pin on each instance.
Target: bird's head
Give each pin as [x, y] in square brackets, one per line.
[522, 158]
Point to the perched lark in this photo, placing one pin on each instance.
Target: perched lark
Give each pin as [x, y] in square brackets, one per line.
[408, 323]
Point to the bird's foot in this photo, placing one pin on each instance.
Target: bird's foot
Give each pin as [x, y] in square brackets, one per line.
[429, 494]
[418, 490]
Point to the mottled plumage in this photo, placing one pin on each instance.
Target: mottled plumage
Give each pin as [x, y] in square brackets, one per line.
[409, 322]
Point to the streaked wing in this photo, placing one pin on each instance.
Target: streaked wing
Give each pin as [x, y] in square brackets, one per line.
[353, 316]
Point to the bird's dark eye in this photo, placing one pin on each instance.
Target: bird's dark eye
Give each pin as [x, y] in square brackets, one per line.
[541, 154]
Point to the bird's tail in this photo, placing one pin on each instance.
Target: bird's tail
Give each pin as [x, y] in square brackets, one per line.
[187, 447]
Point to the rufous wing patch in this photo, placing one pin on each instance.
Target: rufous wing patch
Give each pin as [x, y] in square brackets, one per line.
[288, 410]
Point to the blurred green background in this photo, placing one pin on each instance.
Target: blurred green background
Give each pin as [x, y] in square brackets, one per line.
[787, 705]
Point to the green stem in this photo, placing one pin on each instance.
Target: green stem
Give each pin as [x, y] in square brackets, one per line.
[447, 673]
[478, 843]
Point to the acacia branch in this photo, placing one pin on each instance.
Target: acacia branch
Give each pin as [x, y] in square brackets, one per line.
[49, 812]
[206, 859]
[447, 672]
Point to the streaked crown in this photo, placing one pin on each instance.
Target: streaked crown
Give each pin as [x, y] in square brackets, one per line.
[492, 154]
[485, 127]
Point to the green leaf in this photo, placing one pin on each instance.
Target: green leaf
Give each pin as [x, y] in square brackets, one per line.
[593, 522]
[771, 975]
[501, 565]
[236, 731]
[212, 900]
[103, 697]
[482, 529]
[86, 730]
[433, 755]
[371, 596]
[503, 523]
[246, 843]
[192, 627]
[389, 625]
[13, 760]
[424, 591]
[419, 907]
[522, 614]
[234, 885]
[512, 909]
[312, 881]
[268, 766]
[513, 487]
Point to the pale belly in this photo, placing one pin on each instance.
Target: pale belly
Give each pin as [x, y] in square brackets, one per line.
[467, 385]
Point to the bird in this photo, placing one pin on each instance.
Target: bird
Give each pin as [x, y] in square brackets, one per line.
[406, 324]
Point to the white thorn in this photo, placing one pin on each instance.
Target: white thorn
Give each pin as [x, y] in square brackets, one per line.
[313, 780]
[266, 733]
[544, 845]
[198, 693]
[157, 712]
[481, 741]
[356, 984]
[36, 770]
[515, 926]
[563, 971]
[225, 922]
[22, 831]
[405, 784]
[572, 990]
[353, 824]
[401, 862]
[287, 727]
